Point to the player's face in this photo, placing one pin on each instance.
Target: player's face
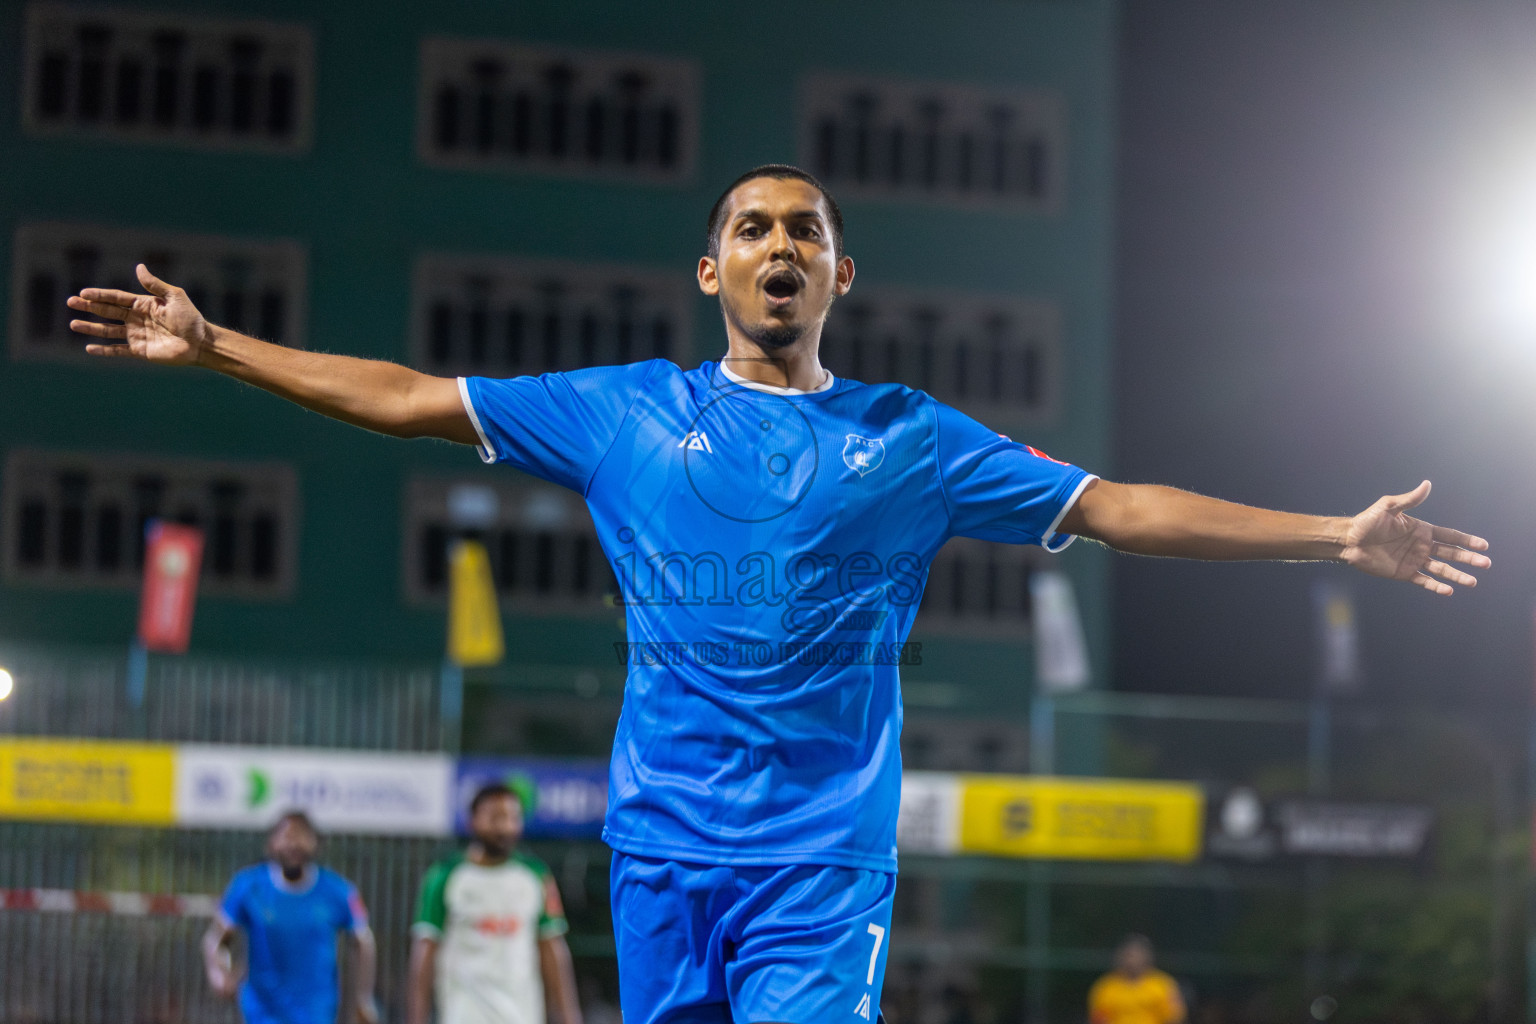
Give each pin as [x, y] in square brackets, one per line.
[778, 270]
[498, 824]
[1134, 959]
[293, 847]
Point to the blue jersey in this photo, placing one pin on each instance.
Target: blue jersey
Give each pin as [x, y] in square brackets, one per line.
[290, 933]
[771, 548]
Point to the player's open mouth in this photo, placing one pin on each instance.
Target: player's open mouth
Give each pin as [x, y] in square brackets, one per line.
[781, 287]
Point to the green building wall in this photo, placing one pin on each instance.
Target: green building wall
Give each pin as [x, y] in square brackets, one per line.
[365, 206]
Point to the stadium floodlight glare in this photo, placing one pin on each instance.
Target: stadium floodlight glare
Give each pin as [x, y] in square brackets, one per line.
[7, 684]
[1495, 254]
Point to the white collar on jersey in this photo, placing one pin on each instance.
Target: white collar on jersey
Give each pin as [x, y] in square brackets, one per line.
[774, 389]
[303, 885]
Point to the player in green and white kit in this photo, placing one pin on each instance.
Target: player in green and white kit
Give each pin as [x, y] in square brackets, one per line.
[489, 935]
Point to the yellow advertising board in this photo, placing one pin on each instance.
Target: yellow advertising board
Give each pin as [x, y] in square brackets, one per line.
[1080, 819]
[85, 780]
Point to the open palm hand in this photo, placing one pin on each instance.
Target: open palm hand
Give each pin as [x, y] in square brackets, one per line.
[1385, 541]
[160, 327]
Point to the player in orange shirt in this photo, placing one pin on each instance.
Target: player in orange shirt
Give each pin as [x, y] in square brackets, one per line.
[1135, 992]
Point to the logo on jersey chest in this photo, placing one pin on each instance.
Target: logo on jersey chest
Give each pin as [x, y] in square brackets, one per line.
[863, 455]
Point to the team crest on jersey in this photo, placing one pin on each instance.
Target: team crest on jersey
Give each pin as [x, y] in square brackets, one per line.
[863, 455]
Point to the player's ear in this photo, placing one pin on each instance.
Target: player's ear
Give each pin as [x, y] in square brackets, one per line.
[844, 276]
[709, 281]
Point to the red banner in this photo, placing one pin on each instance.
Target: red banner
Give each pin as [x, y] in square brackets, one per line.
[173, 556]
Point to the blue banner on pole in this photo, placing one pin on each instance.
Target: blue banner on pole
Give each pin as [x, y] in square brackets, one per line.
[570, 797]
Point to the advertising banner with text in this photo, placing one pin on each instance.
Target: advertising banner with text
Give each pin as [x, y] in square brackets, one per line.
[570, 797]
[1080, 819]
[87, 781]
[342, 791]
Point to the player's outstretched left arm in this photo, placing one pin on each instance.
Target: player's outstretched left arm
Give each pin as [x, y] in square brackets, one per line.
[1384, 540]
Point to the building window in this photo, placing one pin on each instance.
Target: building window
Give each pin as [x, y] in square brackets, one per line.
[993, 356]
[543, 548]
[876, 138]
[980, 588]
[157, 77]
[78, 520]
[255, 287]
[492, 317]
[496, 104]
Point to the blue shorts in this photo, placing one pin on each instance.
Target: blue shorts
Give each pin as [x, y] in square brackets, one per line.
[702, 944]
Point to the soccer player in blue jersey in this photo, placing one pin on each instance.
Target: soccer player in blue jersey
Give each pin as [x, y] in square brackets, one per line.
[291, 910]
[771, 527]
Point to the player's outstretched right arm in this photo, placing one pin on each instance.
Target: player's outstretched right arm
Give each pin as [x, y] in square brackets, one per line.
[165, 327]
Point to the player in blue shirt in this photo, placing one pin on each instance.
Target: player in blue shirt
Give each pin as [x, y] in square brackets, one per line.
[771, 527]
[290, 909]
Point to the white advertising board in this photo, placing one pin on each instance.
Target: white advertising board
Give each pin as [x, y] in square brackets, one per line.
[341, 791]
[929, 819]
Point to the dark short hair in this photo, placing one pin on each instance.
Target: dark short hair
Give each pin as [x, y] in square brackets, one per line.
[296, 817]
[519, 787]
[780, 172]
[1134, 940]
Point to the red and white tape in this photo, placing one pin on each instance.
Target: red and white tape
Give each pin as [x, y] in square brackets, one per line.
[128, 904]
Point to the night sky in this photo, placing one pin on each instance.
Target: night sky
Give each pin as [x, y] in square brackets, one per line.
[1322, 205]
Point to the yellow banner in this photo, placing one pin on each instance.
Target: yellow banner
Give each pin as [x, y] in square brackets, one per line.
[1080, 819]
[474, 622]
[84, 780]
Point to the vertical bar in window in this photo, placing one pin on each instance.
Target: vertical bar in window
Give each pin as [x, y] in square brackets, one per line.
[281, 113]
[668, 134]
[862, 106]
[1000, 118]
[167, 92]
[826, 148]
[32, 534]
[552, 334]
[445, 117]
[273, 318]
[544, 562]
[522, 123]
[596, 129]
[264, 540]
[558, 79]
[965, 160]
[84, 261]
[53, 85]
[244, 56]
[895, 155]
[148, 493]
[224, 538]
[516, 324]
[932, 112]
[588, 339]
[440, 332]
[91, 95]
[1033, 376]
[661, 337]
[109, 537]
[1035, 163]
[434, 557]
[478, 321]
[507, 562]
[42, 289]
[73, 487]
[623, 325]
[631, 88]
[129, 100]
[487, 79]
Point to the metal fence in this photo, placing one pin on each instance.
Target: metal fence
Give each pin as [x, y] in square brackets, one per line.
[207, 700]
